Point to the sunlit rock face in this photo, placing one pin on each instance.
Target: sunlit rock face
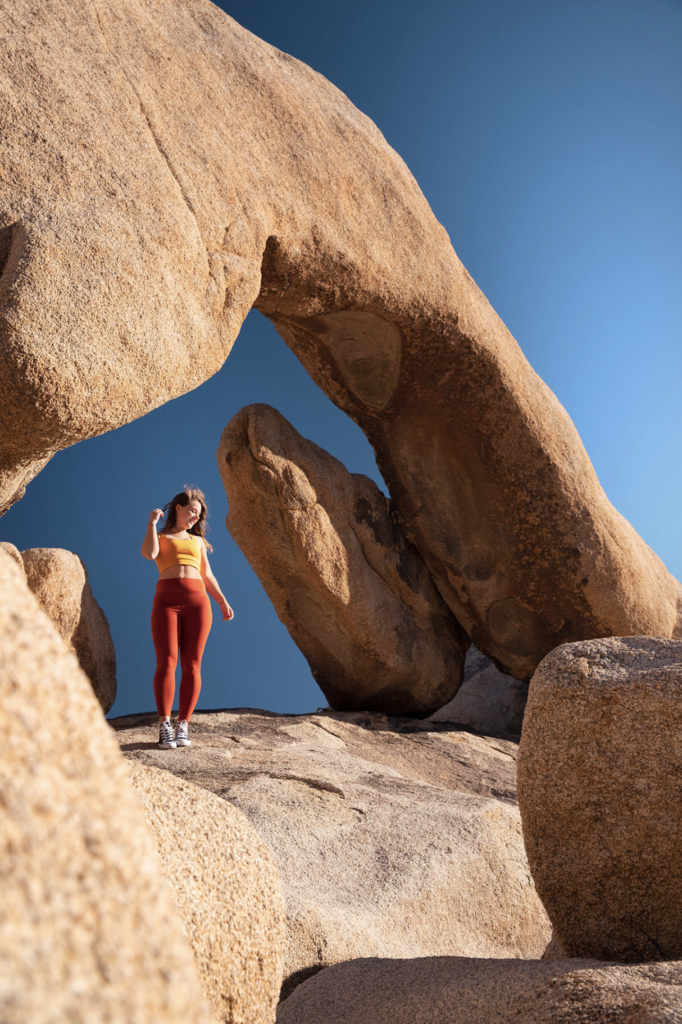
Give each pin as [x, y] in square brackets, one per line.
[600, 772]
[180, 171]
[88, 929]
[224, 878]
[393, 837]
[59, 580]
[356, 598]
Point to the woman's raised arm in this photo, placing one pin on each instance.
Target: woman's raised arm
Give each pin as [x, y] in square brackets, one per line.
[150, 544]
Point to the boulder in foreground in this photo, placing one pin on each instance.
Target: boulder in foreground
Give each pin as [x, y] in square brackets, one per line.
[454, 990]
[87, 930]
[225, 884]
[356, 598]
[600, 790]
[393, 837]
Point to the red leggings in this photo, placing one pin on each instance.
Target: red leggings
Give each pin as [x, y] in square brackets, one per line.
[181, 620]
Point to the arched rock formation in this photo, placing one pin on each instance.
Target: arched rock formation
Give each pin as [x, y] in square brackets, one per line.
[163, 170]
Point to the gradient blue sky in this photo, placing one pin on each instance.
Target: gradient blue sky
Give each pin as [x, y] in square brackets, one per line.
[547, 138]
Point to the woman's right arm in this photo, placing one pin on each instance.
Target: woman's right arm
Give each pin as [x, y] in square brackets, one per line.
[150, 544]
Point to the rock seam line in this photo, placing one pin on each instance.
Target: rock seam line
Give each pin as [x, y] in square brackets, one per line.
[155, 139]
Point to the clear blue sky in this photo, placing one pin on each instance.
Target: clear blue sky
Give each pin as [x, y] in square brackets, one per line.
[547, 138]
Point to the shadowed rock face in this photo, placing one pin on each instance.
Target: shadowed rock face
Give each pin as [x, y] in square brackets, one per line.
[600, 787]
[488, 700]
[199, 171]
[355, 597]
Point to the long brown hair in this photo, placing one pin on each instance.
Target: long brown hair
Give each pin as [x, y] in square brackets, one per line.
[182, 499]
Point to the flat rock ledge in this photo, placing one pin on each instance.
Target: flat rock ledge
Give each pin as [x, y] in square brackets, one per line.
[393, 837]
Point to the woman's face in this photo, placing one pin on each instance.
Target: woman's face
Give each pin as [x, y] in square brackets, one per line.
[187, 515]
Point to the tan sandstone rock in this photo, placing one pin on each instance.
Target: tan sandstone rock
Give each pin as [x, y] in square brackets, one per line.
[59, 580]
[355, 597]
[600, 789]
[554, 951]
[225, 884]
[14, 553]
[200, 171]
[87, 930]
[393, 837]
[488, 700]
[453, 990]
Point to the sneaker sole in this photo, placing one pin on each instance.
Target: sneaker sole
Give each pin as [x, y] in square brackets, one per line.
[167, 746]
[183, 743]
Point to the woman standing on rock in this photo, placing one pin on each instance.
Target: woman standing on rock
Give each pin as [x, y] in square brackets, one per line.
[181, 615]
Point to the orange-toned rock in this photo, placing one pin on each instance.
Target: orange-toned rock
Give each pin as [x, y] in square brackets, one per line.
[355, 597]
[600, 787]
[393, 837]
[200, 171]
[88, 931]
[224, 880]
[459, 990]
[14, 553]
[59, 580]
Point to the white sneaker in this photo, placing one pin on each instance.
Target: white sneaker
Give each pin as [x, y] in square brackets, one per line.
[166, 737]
[182, 734]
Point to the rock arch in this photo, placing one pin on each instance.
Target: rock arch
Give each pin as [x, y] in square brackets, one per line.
[167, 170]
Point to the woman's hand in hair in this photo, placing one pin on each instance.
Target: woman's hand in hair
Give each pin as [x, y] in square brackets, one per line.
[150, 544]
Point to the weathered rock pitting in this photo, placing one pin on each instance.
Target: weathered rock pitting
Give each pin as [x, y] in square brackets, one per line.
[59, 580]
[392, 837]
[355, 597]
[600, 789]
[225, 884]
[200, 172]
[88, 934]
[458, 990]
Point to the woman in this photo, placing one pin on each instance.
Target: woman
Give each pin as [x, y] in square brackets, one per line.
[181, 615]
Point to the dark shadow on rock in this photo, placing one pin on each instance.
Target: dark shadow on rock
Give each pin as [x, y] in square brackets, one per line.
[297, 978]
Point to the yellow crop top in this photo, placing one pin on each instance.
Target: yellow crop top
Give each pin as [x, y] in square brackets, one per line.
[180, 551]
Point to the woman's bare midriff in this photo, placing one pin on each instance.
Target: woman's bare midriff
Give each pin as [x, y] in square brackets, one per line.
[181, 572]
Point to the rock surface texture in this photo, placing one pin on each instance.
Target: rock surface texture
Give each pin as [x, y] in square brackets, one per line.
[600, 788]
[356, 598]
[14, 553]
[199, 172]
[488, 700]
[87, 930]
[392, 837]
[450, 990]
[59, 580]
[226, 885]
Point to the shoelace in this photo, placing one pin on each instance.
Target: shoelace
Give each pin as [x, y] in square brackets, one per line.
[166, 733]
